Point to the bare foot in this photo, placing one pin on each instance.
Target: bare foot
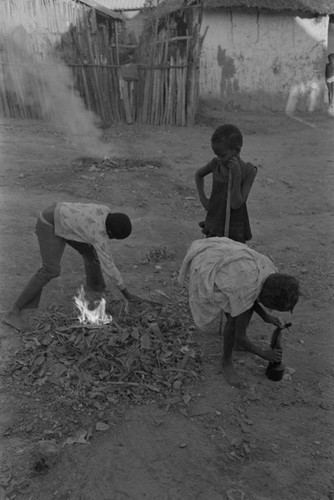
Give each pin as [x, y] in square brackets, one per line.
[230, 375]
[14, 320]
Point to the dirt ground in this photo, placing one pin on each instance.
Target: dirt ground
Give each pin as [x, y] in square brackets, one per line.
[269, 441]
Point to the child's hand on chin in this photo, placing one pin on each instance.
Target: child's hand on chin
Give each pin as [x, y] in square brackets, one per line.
[233, 164]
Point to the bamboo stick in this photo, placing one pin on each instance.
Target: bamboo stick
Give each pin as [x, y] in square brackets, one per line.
[110, 112]
[102, 76]
[166, 86]
[146, 95]
[184, 95]
[112, 100]
[162, 96]
[138, 96]
[155, 74]
[159, 73]
[141, 94]
[131, 103]
[155, 100]
[162, 86]
[178, 103]
[153, 97]
[122, 111]
[86, 89]
[169, 99]
[94, 72]
[173, 94]
[160, 103]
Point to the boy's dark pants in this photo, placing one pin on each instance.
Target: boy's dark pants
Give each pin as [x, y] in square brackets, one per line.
[51, 249]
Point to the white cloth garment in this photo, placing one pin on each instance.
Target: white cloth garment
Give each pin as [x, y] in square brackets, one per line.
[224, 275]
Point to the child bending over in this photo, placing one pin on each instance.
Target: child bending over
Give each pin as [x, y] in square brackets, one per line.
[228, 276]
[86, 227]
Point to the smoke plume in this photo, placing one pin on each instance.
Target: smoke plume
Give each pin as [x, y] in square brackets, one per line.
[44, 84]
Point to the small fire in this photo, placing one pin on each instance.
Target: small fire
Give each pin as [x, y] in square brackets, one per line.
[88, 316]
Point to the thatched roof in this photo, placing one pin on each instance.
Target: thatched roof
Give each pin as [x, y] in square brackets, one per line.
[320, 7]
[123, 5]
[166, 7]
[306, 6]
[93, 4]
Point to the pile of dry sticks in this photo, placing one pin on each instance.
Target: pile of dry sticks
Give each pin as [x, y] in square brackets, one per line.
[142, 354]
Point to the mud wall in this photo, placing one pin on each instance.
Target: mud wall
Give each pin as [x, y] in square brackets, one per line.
[256, 60]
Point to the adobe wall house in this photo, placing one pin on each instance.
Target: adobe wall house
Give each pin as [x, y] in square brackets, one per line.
[261, 55]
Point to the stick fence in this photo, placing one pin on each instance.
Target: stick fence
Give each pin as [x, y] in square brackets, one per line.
[42, 41]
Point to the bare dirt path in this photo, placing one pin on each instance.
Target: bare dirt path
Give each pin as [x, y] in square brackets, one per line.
[269, 441]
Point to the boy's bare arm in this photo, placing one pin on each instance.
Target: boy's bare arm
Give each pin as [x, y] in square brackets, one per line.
[199, 179]
[247, 185]
[240, 191]
[241, 323]
[267, 318]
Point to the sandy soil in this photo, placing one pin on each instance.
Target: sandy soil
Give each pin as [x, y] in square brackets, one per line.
[268, 441]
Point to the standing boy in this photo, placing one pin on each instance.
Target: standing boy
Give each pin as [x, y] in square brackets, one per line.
[226, 143]
[88, 228]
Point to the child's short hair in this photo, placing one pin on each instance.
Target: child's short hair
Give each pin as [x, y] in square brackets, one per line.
[118, 226]
[281, 291]
[228, 134]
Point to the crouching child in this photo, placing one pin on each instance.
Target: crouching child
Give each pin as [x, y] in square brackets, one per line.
[228, 277]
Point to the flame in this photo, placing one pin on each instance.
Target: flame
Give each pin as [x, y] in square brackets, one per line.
[88, 316]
